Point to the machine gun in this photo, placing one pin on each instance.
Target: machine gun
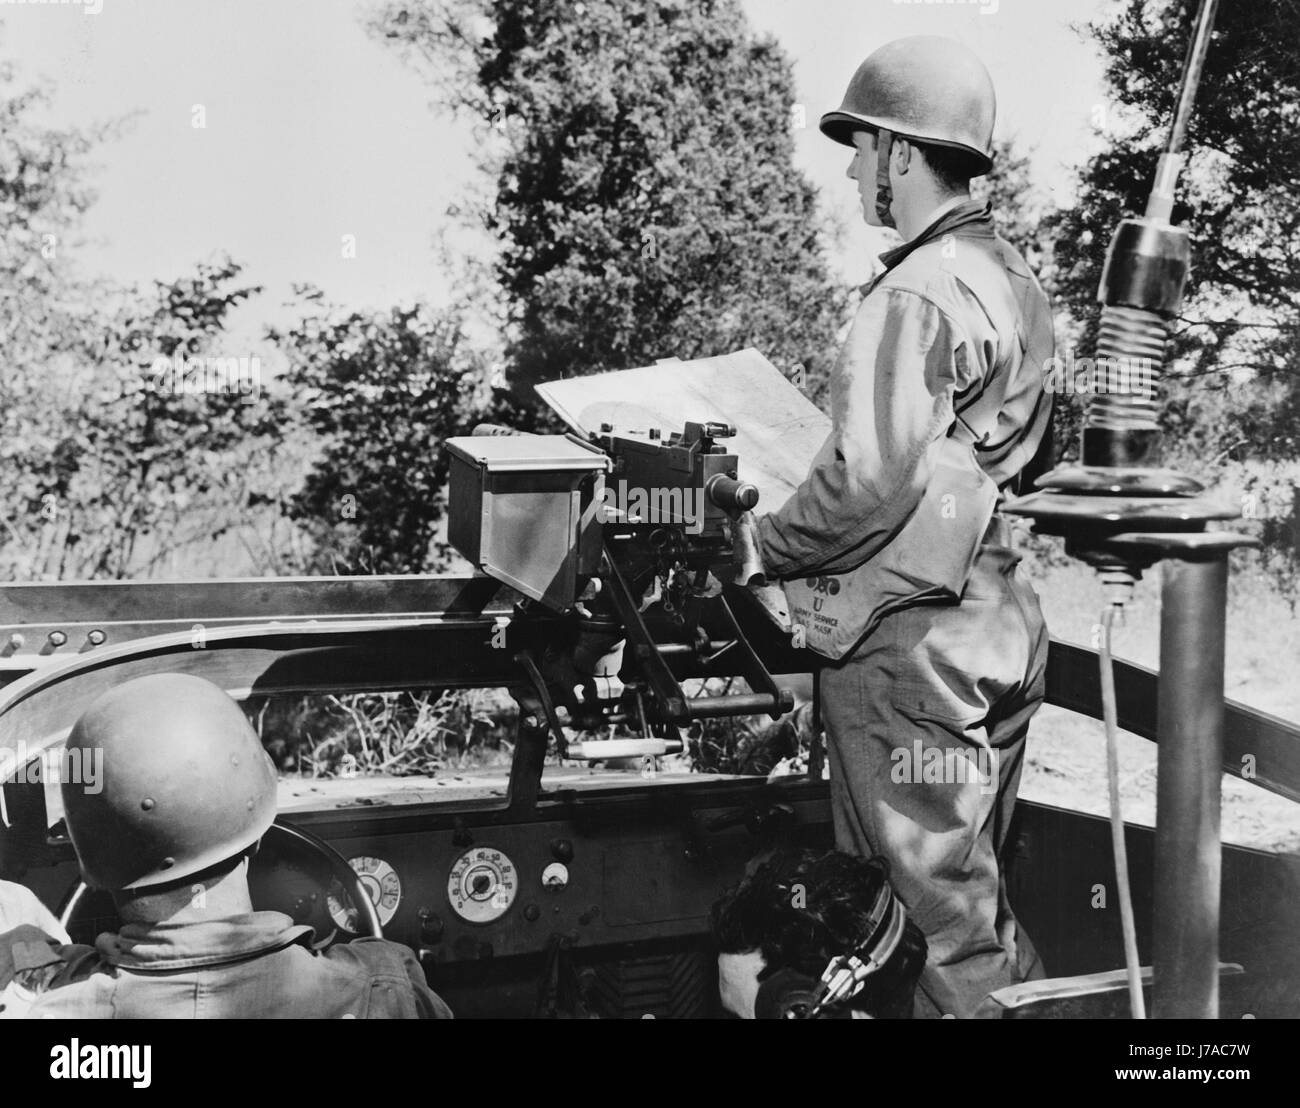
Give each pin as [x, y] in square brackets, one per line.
[597, 534]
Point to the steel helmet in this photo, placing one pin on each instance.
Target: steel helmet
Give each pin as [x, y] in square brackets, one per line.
[923, 87]
[185, 783]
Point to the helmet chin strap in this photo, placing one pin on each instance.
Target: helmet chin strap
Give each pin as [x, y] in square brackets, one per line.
[884, 193]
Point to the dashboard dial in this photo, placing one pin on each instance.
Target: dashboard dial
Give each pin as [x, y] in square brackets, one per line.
[482, 885]
[555, 876]
[382, 885]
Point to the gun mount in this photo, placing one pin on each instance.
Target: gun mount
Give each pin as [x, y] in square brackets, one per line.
[598, 534]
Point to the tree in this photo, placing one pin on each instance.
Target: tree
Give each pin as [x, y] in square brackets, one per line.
[106, 468]
[42, 196]
[1233, 388]
[646, 200]
[143, 446]
[380, 392]
[1019, 207]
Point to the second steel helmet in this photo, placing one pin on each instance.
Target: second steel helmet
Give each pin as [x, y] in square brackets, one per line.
[185, 783]
[923, 87]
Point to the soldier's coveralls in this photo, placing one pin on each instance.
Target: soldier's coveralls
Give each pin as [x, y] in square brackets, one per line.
[259, 965]
[950, 340]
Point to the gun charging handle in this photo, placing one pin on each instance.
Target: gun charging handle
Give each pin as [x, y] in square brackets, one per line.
[731, 495]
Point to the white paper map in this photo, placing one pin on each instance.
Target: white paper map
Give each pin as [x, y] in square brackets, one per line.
[778, 429]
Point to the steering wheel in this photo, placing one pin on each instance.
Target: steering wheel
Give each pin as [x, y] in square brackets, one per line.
[300, 890]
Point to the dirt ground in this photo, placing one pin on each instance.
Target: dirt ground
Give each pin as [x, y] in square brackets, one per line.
[1066, 756]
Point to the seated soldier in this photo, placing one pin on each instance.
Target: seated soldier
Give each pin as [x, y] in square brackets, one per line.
[811, 935]
[187, 794]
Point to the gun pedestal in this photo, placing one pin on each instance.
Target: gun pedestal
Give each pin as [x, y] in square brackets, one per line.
[600, 535]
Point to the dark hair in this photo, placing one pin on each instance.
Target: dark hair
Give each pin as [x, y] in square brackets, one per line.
[952, 168]
[802, 908]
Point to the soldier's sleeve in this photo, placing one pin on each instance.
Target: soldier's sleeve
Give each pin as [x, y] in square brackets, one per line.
[428, 1004]
[892, 403]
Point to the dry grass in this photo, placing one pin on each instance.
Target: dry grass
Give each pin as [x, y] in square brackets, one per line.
[393, 734]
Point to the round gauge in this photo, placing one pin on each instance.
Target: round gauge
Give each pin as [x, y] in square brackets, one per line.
[555, 876]
[482, 885]
[382, 885]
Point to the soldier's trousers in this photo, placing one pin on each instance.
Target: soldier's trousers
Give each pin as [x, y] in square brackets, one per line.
[926, 724]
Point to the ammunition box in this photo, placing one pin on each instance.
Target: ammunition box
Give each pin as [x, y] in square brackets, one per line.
[523, 509]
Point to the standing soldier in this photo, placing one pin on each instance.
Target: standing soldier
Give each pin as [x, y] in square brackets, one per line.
[938, 407]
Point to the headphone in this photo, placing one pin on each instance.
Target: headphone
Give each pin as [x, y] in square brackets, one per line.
[791, 995]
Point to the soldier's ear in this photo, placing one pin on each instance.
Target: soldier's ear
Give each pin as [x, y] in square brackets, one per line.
[902, 154]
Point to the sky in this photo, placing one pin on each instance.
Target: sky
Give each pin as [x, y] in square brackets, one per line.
[315, 131]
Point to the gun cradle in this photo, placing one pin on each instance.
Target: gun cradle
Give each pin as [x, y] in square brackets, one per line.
[600, 533]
